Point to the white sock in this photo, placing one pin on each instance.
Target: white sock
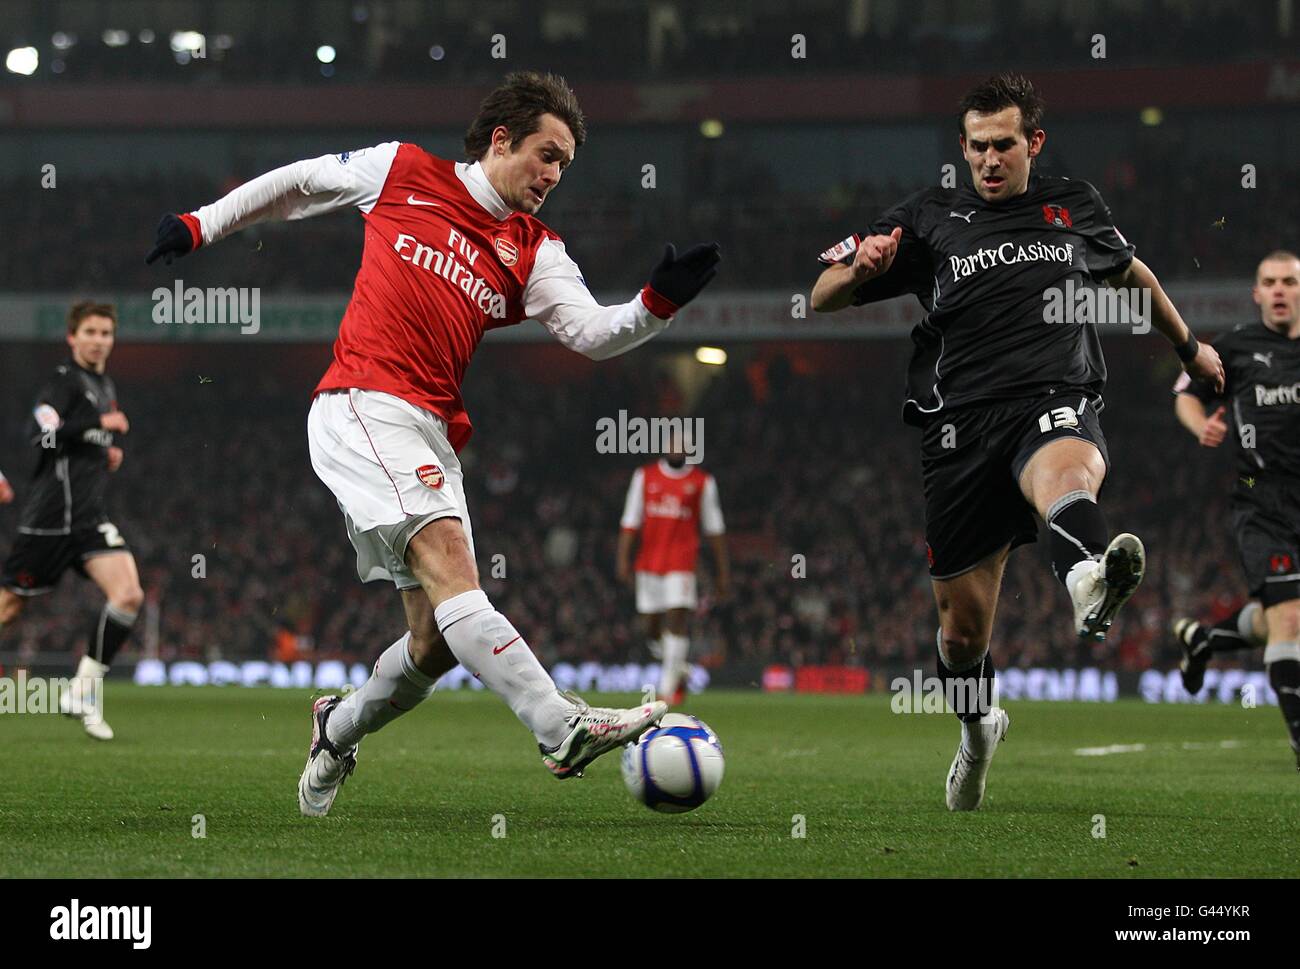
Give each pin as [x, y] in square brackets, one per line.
[85, 694]
[1281, 652]
[92, 668]
[673, 667]
[1246, 624]
[493, 650]
[396, 685]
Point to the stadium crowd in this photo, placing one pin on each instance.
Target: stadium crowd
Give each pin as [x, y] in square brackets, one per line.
[1198, 224]
[818, 478]
[677, 40]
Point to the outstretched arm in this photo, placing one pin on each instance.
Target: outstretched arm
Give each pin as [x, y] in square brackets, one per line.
[305, 188]
[1199, 359]
[630, 526]
[557, 296]
[835, 287]
[715, 529]
[1208, 429]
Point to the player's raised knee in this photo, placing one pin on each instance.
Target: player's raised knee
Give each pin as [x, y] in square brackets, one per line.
[11, 607]
[130, 599]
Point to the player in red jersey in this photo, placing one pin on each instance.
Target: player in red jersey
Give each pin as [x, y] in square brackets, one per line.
[669, 503]
[451, 250]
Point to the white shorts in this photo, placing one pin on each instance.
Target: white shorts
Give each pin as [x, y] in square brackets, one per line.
[659, 593]
[392, 471]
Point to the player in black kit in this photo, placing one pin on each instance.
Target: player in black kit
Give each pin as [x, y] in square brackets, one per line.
[1262, 364]
[64, 522]
[1007, 398]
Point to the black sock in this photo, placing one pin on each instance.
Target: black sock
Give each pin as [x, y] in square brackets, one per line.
[1284, 678]
[1224, 636]
[969, 692]
[1078, 531]
[110, 630]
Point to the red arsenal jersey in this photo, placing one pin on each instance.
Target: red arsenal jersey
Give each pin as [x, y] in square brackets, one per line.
[444, 260]
[437, 271]
[670, 507]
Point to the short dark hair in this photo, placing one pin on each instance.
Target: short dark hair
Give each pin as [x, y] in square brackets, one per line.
[1277, 255]
[1005, 90]
[519, 104]
[89, 307]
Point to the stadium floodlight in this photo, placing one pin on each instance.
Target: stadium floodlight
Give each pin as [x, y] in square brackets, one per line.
[1152, 117]
[189, 42]
[116, 38]
[145, 36]
[437, 52]
[62, 40]
[325, 54]
[22, 60]
[711, 128]
[713, 356]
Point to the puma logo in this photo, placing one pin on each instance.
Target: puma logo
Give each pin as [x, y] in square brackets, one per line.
[958, 215]
[1265, 358]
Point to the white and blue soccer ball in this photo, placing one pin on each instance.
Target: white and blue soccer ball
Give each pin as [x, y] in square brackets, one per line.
[674, 767]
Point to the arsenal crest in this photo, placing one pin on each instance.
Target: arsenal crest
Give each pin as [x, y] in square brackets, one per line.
[1057, 215]
[1280, 563]
[507, 250]
[430, 476]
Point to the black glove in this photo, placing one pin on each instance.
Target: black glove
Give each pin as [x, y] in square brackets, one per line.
[173, 240]
[679, 280]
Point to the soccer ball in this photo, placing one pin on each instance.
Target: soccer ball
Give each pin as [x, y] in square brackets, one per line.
[674, 767]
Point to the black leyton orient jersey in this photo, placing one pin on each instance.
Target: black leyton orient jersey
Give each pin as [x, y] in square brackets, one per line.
[1262, 395]
[71, 477]
[983, 272]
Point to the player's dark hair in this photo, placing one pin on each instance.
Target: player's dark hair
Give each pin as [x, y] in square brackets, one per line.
[1005, 90]
[88, 307]
[518, 105]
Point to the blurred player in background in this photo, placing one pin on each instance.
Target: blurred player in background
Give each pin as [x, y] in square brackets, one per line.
[451, 250]
[1261, 362]
[6, 490]
[1008, 402]
[669, 504]
[64, 519]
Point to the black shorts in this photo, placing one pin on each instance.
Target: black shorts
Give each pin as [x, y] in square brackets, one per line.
[1266, 520]
[971, 460]
[37, 562]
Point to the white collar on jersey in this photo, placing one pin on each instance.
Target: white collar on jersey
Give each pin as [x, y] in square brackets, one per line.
[476, 182]
[671, 472]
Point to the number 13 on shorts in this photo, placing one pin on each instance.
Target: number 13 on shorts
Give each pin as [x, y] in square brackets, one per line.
[1058, 417]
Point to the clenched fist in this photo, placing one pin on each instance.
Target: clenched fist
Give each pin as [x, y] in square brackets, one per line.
[1214, 430]
[875, 255]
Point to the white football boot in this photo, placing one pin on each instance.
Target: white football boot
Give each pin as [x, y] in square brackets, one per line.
[84, 700]
[327, 766]
[1103, 587]
[979, 742]
[595, 731]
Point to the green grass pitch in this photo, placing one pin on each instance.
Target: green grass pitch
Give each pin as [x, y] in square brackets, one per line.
[1215, 792]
